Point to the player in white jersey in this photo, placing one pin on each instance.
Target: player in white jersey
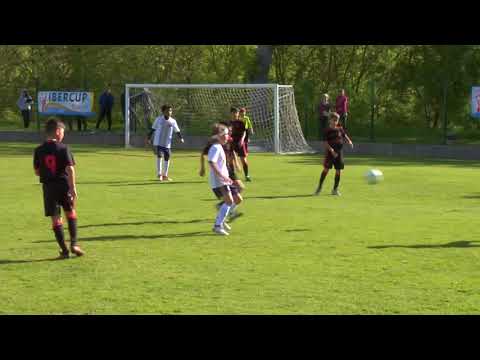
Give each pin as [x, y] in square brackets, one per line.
[162, 131]
[219, 179]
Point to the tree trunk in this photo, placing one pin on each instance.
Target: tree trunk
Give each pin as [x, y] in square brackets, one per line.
[264, 60]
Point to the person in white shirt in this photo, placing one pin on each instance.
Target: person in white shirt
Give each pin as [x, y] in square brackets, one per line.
[220, 181]
[162, 131]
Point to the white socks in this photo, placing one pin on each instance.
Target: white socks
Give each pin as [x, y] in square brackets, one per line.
[167, 163]
[222, 214]
[159, 166]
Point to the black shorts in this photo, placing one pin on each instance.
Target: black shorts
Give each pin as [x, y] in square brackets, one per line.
[240, 150]
[56, 195]
[229, 188]
[337, 162]
[162, 151]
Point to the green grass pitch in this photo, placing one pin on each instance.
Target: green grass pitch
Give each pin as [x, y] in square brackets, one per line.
[409, 245]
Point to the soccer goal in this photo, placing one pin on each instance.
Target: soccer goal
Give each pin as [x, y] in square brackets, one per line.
[196, 107]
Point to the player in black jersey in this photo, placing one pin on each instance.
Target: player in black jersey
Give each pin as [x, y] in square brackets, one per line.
[239, 135]
[54, 164]
[333, 138]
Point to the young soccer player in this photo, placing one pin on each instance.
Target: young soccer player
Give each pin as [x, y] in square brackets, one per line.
[220, 182]
[162, 131]
[237, 186]
[54, 164]
[333, 138]
[239, 133]
[248, 126]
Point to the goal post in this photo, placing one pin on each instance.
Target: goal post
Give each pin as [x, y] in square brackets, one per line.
[271, 107]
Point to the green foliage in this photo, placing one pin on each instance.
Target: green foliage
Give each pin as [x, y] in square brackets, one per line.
[409, 79]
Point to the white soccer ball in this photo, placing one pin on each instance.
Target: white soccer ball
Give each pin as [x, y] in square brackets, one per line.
[374, 176]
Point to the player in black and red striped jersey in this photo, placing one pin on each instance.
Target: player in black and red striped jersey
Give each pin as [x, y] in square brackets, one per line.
[239, 135]
[53, 162]
[333, 138]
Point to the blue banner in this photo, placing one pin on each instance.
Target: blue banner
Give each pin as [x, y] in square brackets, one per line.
[66, 103]
[475, 101]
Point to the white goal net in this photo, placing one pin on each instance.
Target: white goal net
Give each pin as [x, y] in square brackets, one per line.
[271, 109]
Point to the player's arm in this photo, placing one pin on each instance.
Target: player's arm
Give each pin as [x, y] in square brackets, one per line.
[179, 134]
[329, 148]
[71, 181]
[250, 126]
[177, 130]
[349, 141]
[36, 164]
[218, 173]
[202, 164]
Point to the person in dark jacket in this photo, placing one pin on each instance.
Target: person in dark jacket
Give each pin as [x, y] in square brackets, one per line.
[25, 103]
[106, 105]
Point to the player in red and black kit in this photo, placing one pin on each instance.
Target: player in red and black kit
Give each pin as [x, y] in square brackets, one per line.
[237, 186]
[54, 164]
[333, 138]
[239, 133]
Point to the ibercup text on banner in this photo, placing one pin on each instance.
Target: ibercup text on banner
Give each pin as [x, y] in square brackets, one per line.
[68, 103]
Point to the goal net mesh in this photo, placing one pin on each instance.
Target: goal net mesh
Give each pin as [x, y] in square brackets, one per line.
[196, 109]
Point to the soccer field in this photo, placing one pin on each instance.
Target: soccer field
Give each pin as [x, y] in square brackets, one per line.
[409, 245]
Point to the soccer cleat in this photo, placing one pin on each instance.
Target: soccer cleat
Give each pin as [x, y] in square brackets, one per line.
[77, 251]
[317, 192]
[247, 178]
[166, 178]
[220, 231]
[336, 192]
[226, 226]
[63, 255]
[160, 177]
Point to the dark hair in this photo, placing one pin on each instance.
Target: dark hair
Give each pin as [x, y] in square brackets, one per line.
[165, 107]
[52, 125]
[234, 109]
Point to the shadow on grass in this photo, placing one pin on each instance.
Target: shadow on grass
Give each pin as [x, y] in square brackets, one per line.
[297, 230]
[159, 183]
[147, 222]
[136, 183]
[267, 197]
[139, 237]
[278, 197]
[28, 149]
[109, 182]
[352, 159]
[454, 244]
[6, 262]
[472, 196]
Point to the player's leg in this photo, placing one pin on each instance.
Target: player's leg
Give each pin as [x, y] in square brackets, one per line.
[159, 161]
[52, 210]
[327, 165]
[243, 153]
[224, 209]
[109, 119]
[237, 200]
[71, 214]
[100, 118]
[339, 165]
[166, 157]
[57, 227]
